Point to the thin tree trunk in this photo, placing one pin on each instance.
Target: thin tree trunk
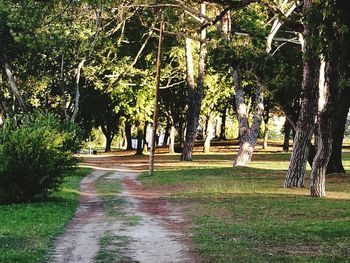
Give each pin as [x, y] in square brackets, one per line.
[172, 139]
[139, 148]
[195, 94]
[335, 164]
[145, 142]
[77, 91]
[64, 100]
[166, 132]
[128, 136]
[247, 136]
[287, 130]
[208, 134]
[223, 125]
[266, 129]
[305, 126]
[13, 86]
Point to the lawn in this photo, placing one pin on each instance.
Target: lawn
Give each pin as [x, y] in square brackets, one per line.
[28, 231]
[245, 215]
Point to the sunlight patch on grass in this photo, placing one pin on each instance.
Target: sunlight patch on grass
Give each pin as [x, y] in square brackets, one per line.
[244, 214]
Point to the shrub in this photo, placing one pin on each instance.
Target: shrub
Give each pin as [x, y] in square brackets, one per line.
[34, 156]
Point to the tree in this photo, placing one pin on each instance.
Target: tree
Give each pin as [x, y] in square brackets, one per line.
[333, 56]
[195, 92]
[309, 91]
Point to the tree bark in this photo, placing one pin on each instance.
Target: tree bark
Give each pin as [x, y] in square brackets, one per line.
[139, 148]
[166, 132]
[329, 92]
[287, 130]
[208, 134]
[195, 93]
[145, 142]
[335, 164]
[247, 135]
[309, 97]
[266, 128]
[13, 86]
[109, 135]
[128, 136]
[77, 91]
[223, 125]
[172, 139]
[324, 140]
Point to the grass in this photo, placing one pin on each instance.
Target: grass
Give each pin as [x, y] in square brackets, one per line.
[108, 190]
[28, 231]
[245, 215]
[111, 249]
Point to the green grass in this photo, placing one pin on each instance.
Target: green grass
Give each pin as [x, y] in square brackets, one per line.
[28, 231]
[245, 215]
[112, 249]
[108, 190]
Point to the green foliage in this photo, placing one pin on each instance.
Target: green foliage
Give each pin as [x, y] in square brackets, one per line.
[34, 156]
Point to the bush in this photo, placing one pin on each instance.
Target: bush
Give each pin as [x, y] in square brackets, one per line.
[34, 156]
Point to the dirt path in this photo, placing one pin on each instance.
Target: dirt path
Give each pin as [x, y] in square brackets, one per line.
[157, 233]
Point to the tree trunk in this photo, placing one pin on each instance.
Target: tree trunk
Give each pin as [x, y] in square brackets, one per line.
[195, 93]
[139, 148]
[108, 144]
[266, 129]
[248, 136]
[335, 164]
[13, 86]
[329, 92]
[305, 125]
[287, 130]
[64, 100]
[109, 137]
[324, 141]
[128, 136]
[223, 125]
[77, 91]
[208, 134]
[145, 142]
[172, 139]
[166, 132]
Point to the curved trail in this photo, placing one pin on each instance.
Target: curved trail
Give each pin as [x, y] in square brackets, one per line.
[157, 236]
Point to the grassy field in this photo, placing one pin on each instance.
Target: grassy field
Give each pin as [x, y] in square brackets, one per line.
[28, 231]
[245, 215]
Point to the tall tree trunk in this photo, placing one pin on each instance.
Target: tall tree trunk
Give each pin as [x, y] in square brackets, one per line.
[139, 148]
[64, 100]
[172, 139]
[335, 164]
[223, 125]
[77, 91]
[109, 135]
[305, 125]
[247, 136]
[287, 130]
[195, 93]
[266, 128]
[13, 86]
[145, 142]
[166, 132]
[333, 71]
[128, 136]
[208, 134]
